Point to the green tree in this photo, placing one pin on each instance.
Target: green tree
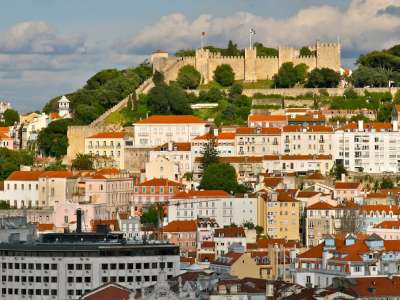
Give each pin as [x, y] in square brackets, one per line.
[286, 76]
[185, 53]
[100, 78]
[259, 229]
[168, 100]
[265, 51]
[224, 75]
[305, 51]
[158, 78]
[151, 215]
[4, 204]
[386, 183]
[188, 77]
[323, 78]
[301, 73]
[221, 176]
[337, 170]
[366, 76]
[235, 90]
[52, 140]
[11, 161]
[350, 94]
[210, 153]
[11, 117]
[213, 95]
[83, 162]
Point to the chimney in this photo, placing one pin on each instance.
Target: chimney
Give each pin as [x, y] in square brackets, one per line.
[395, 125]
[78, 220]
[360, 125]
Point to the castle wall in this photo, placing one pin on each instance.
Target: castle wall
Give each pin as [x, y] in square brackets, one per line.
[328, 56]
[266, 67]
[236, 62]
[310, 61]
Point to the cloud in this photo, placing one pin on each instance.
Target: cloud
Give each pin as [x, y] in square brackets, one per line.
[37, 37]
[390, 10]
[361, 27]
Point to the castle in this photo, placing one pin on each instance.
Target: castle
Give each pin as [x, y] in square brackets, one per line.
[250, 67]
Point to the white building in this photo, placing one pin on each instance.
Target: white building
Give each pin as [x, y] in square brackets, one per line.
[225, 237]
[66, 266]
[158, 130]
[370, 147]
[63, 107]
[257, 141]
[224, 208]
[297, 163]
[224, 143]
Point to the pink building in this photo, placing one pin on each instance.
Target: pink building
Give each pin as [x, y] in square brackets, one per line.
[64, 215]
[6, 141]
[182, 233]
[345, 191]
[156, 190]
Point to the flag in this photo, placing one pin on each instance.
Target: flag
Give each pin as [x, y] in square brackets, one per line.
[252, 31]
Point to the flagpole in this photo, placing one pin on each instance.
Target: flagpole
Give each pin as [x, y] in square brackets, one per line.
[251, 44]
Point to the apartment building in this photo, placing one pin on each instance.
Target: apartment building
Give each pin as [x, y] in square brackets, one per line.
[281, 213]
[300, 163]
[157, 130]
[314, 139]
[370, 147]
[320, 221]
[346, 190]
[224, 208]
[224, 143]
[388, 230]
[183, 234]
[257, 120]
[6, 141]
[224, 238]
[55, 187]
[257, 141]
[347, 257]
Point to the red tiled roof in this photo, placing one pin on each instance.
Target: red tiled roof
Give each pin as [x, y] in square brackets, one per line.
[44, 227]
[201, 194]
[160, 182]
[376, 195]
[188, 260]
[368, 126]
[108, 135]
[109, 291]
[177, 146]
[220, 136]
[175, 119]
[108, 171]
[4, 136]
[286, 197]
[388, 225]
[297, 157]
[206, 257]
[308, 117]
[229, 232]
[380, 207]
[181, 226]
[252, 130]
[307, 194]
[267, 118]
[315, 176]
[208, 244]
[321, 205]
[54, 115]
[25, 175]
[272, 182]
[375, 287]
[340, 185]
[57, 174]
[320, 128]
[240, 159]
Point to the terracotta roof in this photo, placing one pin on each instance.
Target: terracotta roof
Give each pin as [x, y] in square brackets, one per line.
[341, 185]
[57, 174]
[307, 194]
[206, 257]
[175, 119]
[4, 136]
[108, 135]
[374, 287]
[54, 115]
[380, 208]
[321, 205]
[44, 227]
[208, 244]
[108, 171]
[25, 175]
[267, 118]
[272, 182]
[315, 176]
[320, 128]
[388, 225]
[368, 126]
[202, 194]
[297, 157]
[220, 136]
[175, 146]
[241, 159]
[308, 117]
[109, 291]
[228, 259]
[229, 232]
[187, 260]
[376, 195]
[159, 182]
[252, 130]
[285, 197]
[181, 226]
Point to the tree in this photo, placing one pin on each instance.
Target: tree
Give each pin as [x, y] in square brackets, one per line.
[235, 90]
[323, 78]
[188, 77]
[152, 215]
[366, 76]
[221, 176]
[11, 160]
[210, 153]
[259, 229]
[83, 162]
[11, 117]
[265, 51]
[53, 140]
[248, 225]
[305, 51]
[386, 183]
[4, 204]
[168, 100]
[288, 75]
[224, 75]
[158, 78]
[301, 73]
[213, 95]
[338, 169]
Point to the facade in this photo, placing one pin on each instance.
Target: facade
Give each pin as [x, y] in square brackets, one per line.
[163, 167]
[301, 163]
[320, 221]
[183, 234]
[224, 238]
[55, 187]
[108, 148]
[257, 141]
[85, 262]
[256, 120]
[346, 191]
[387, 230]
[215, 204]
[224, 143]
[6, 141]
[158, 130]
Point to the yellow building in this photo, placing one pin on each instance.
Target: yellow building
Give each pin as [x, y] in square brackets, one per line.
[282, 216]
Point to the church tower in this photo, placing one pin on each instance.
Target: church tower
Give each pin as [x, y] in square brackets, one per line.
[63, 107]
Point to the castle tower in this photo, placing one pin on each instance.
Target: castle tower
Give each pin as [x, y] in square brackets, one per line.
[250, 57]
[202, 64]
[328, 55]
[63, 107]
[159, 60]
[286, 54]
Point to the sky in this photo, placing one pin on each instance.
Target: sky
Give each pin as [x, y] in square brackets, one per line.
[51, 47]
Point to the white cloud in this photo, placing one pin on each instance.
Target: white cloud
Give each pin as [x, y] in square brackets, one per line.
[39, 38]
[363, 26]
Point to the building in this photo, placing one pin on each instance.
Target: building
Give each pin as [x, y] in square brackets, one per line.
[163, 167]
[258, 141]
[66, 266]
[63, 107]
[226, 237]
[183, 234]
[281, 215]
[346, 191]
[108, 148]
[257, 120]
[224, 143]
[157, 130]
[388, 230]
[370, 147]
[55, 187]
[349, 256]
[31, 125]
[224, 208]
[301, 163]
[249, 67]
[16, 229]
[6, 140]
[320, 221]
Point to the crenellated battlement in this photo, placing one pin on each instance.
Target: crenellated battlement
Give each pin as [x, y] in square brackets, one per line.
[250, 66]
